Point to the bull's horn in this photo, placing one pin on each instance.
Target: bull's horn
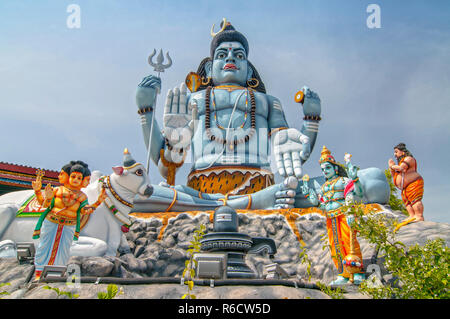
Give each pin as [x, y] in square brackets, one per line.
[128, 160]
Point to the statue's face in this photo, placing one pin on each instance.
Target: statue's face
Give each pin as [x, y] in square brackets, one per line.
[75, 180]
[63, 178]
[230, 64]
[86, 181]
[328, 170]
[398, 153]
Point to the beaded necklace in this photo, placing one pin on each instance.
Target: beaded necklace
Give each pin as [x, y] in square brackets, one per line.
[215, 111]
[332, 191]
[114, 193]
[69, 197]
[224, 141]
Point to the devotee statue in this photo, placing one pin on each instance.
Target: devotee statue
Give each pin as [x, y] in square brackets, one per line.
[408, 180]
[341, 184]
[59, 224]
[224, 115]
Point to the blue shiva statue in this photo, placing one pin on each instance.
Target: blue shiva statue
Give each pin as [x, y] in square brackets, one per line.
[227, 119]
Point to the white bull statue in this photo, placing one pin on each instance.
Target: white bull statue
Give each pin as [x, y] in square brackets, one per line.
[102, 233]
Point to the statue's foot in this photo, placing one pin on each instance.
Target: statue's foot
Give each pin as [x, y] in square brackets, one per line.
[340, 280]
[285, 197]
[358, 278]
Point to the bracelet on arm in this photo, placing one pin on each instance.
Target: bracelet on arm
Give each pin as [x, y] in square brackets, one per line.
[145, 110]
[312, 117]
[96, 204]
[277, 130]
[171, 148]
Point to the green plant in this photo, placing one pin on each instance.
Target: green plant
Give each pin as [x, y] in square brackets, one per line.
[111, 292]
[62, 292]
[4, 293]
[305, 260]
[394, 202]
[420, 272]
[334, 293]
[191, 263]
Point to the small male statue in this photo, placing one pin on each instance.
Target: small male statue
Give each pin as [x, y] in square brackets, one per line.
[410, 183]
[59, 224]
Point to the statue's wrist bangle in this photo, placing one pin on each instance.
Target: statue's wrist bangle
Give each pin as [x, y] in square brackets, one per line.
[96, 204]
[145, 110]
[356, 179]
[312, 117]
[171, 148]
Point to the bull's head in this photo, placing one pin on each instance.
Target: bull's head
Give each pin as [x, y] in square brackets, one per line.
[133, 176]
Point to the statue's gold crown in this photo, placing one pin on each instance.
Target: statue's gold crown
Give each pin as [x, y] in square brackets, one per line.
[325, 156]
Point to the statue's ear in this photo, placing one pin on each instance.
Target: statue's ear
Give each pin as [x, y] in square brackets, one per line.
[208, 68]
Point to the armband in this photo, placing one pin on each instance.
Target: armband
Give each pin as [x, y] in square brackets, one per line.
[145, 110]
[312, 118]
[171, 148]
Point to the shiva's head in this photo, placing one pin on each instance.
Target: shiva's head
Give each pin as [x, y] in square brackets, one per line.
[228, 62]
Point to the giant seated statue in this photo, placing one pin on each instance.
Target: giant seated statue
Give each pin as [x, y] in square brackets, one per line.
[225, 116]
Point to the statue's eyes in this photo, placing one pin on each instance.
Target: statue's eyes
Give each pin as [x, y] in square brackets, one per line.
[221, 55]
[139, 172]
[240, 56]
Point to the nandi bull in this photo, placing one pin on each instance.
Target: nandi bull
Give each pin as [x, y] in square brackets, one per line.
[102, 232]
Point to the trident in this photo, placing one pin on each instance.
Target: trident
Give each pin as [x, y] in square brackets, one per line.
[158, 67]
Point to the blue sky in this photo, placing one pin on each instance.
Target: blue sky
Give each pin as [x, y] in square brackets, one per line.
[69, 93]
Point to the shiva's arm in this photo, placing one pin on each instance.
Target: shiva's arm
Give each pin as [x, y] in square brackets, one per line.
[311, 119]
[290, 146]
[146, 102]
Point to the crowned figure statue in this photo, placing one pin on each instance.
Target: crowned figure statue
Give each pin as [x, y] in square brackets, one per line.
[341, 184]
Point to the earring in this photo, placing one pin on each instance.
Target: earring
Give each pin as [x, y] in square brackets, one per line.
[207, 82]
[193, 81]
[253, 83]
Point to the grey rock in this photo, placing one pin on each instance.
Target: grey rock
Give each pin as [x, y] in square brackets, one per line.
[169, 241]
[96, 266]
[270, 228]
[133, 264]
[171, 270]
[177, 255]
[243, 219]
[139, 250]
[141, 241]
[137, 227]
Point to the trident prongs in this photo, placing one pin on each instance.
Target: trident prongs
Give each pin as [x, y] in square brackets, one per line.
[159, 66]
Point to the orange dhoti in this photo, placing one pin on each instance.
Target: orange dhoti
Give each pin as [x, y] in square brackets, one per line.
[230, 180]
[339, 238]
[413, 192]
